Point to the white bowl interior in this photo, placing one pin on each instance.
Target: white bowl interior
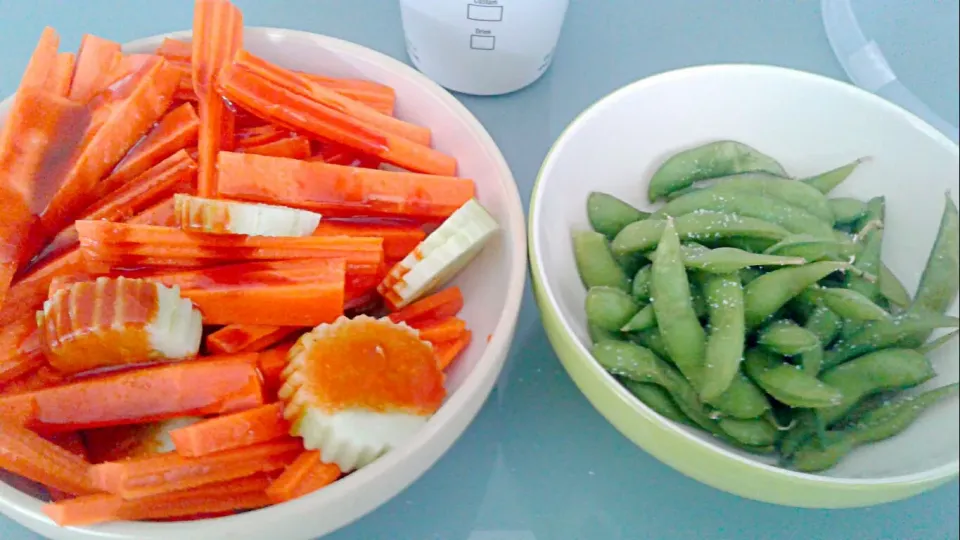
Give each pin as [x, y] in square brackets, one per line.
[810, 124]
[492, 286]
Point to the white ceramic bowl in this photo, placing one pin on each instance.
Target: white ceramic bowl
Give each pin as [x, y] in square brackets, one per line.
[492, 286]
[810, 124]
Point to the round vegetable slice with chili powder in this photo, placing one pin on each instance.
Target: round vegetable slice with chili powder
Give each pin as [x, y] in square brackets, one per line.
[358, 387]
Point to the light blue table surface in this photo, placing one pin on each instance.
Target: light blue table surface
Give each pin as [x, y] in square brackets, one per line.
[539, 463]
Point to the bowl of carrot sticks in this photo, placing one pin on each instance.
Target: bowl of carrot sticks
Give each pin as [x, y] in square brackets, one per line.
[254, 282]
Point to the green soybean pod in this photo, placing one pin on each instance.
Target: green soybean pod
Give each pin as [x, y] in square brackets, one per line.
[890, 332]
[892, 288]
[711, 160]
[642, 320]
[785, 337]
[751, 432]
[700, 226]
[811, 360]
[658, 399]
[868, 262]
[609, 308]
[796, 193]
[608, 215]
[847, 210]
[851, 305]
[765, 295]
[652, 340]
[595, 262]
[724, 348]
[641, 284]
[743, 399]
[881, 371]
[726, 260]
[598, 334]
[625, 359]
[808, 247]
[749, 274]
[787, 384]
[826, 182]
[824, 324]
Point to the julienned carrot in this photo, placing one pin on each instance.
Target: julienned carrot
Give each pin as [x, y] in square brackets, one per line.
[58, 82]
[144, 97]
[144, 245]
[237, 338]
[218, 35]
[140, 395]
[293, 82]
[271, 364]
[305, 475]
[440, 331]
[440, 305]
[310, 117]
[29, 455]
[231, 431]
[175, 131]
[335, 190]
[293, 148]
[20, 349]
[166, 473]
[398, 240]
[448, 351]
[95, 60]
[374, 95]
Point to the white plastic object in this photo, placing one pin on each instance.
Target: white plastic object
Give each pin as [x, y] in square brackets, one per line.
[865, 63]
[482, 47]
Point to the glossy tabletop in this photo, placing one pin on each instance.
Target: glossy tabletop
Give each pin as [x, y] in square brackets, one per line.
[539, 463]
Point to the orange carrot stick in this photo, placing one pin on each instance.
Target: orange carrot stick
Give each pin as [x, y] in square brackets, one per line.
[29, 455]
[440, 305]
[161, 214]
[336, 154]
[42, 61]
[237, 338]
[218, 35]
[293, 148]
[165, 473]
[293, 82]
[310, 117]
[175, 131]
[340, 191]
[259, 135]
[305, 475]
[44, 377]
[440, 331]
[144, 245]
[20, 349]
[398, 240]
[271, 364]
[29, 292]
[140, 395]
[213, 499]
[95, 60]
[448, 351]
[176, 50]
[374, 95]
[254, 426]
[58, 82]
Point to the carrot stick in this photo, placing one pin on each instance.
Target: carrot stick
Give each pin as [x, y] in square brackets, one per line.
[218, 35]
[441, 331]
[42, 60]
[95, 60]
[213, 499]
[44, 377]
[147, 94]
[374, 95]
[29, 455]
[165, 473]
[140, 395]
[20, 349]
[236, 338]
[293, 82]
[448, 351]
[271, 364]
[61, 75]
[305, 475]
[440, 305]
[161, 214]
[259, 135]
[398, 240]
[293, 148]
[144, 245]
[336, 154]
[175, 131]
[310, 117]
[340, 191]
[254, 426]
[176, 50]
[29, 292]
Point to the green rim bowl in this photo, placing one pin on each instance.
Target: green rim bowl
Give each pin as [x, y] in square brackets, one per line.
[811, 124]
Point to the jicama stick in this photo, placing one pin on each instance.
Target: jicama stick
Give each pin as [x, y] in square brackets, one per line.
[167, 473]
[95, 60]
[293, 82]
[398, 240]
[305, 475]
[231, 431]
[448, 351]
[334, 190]
[218, 35]
[175, 131]
[310, 117]
[20, 349]
[237, 338]
[139, 396]
[293, 148]
[210, 500]
[58, 82]
[29, 455]
[144, 245]
[440, 305]
[440, 331]
[116, 443]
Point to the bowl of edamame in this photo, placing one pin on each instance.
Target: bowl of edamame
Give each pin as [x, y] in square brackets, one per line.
[758, 282]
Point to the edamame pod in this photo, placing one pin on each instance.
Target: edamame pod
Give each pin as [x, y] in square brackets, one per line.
[752, 432]
[711, 160]
[652, 340]
[643, 320]
[811, 360]
[609, 308]
[796, 193]
[598, 334]
[851, 305]
[726, 260]
[724, 348]
[641, 284]
[892, 288]
[701, 227]
[787, 384]
[625, 359]
[784, 337]
[768, 293]
[807, 247]
[608, 215]
[658, 399]
[847, 210]
[868, 261]
[826, 182]
[890, 332]
[595, 262]
[824, 324]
